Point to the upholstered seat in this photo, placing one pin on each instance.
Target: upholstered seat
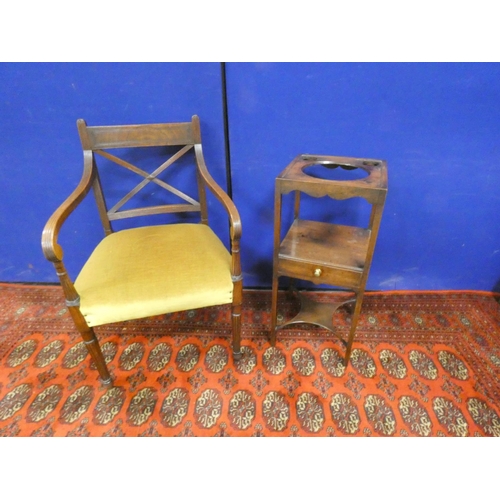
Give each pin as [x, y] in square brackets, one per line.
[141, 272]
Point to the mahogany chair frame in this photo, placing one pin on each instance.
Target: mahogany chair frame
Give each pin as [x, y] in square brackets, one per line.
[95, 140]
[327, 253]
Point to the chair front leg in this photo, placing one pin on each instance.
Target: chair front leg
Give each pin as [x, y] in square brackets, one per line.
[92, 344]
[88, 335]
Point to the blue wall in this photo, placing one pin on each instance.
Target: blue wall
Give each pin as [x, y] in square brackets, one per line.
[437, 125]
[40, 154]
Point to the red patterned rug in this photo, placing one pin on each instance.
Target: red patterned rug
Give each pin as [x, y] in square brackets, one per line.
[423, 364]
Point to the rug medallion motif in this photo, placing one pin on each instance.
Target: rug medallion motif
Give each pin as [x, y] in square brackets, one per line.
[423, 364]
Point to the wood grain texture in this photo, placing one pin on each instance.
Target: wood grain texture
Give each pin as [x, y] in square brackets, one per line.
[326, 244]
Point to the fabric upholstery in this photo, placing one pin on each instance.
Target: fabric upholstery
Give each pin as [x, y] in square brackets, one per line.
[137, 273]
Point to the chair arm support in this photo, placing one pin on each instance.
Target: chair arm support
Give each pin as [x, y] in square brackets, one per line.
[51, 249]
[220, 194]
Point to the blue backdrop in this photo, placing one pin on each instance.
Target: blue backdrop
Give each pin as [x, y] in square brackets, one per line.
[436, 124]
[41, 157]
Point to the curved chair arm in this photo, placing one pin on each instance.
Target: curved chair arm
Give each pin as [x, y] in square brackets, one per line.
[220, 194]
[51, 249]
[228, 204]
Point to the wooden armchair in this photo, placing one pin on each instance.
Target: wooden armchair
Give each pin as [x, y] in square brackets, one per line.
[154, 269]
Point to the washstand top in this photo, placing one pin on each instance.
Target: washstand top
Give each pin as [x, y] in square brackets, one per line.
[372, 187]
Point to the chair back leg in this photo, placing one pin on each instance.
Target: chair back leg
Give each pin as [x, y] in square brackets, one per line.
[236, 318]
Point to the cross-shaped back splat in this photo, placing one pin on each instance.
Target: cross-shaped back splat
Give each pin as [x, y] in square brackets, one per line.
[114, 213]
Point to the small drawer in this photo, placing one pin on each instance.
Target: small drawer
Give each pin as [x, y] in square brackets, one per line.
[319, 274]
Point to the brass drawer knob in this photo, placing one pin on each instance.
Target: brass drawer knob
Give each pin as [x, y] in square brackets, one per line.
[317, 272]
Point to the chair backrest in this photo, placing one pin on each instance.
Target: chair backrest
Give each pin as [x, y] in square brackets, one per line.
[132, 136]
[97, 140]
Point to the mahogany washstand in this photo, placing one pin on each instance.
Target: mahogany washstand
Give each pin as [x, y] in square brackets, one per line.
[326, 253]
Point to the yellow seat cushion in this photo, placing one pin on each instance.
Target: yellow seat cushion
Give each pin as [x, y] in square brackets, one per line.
[137, 273]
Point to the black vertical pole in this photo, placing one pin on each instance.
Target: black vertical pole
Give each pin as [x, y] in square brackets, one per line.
[226, 131]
